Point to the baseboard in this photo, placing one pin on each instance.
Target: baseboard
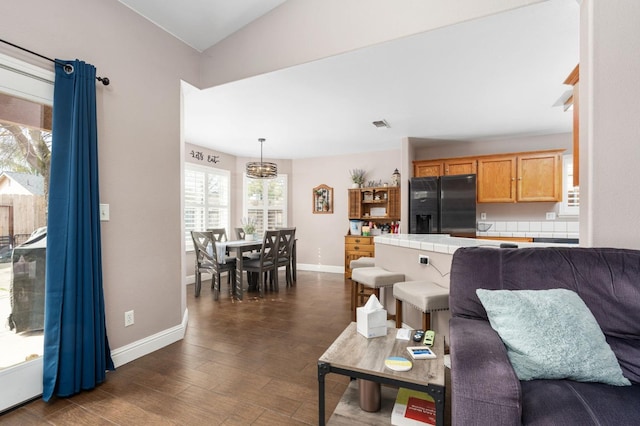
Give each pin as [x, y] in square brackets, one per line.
[191, 279]
[150, 344]
[320, 268]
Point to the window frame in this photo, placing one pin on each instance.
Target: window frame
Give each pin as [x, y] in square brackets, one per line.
[206, 204]
[567, 187]
[261, 227]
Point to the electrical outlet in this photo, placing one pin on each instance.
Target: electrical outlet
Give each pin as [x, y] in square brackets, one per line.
[128, 318]
[551, 215]
[423, 259]
[483, 216]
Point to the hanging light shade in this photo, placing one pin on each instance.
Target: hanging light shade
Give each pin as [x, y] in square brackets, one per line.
[263, 169]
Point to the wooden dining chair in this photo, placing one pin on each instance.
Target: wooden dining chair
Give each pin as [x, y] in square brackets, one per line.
[267, 261]
[220, 235]
[208, 261]
[285, 253]
[240, 233]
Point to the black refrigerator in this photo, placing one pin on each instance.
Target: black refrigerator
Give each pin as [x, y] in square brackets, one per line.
[443, 205]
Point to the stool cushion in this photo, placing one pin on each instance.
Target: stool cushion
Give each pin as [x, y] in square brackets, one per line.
[424, 295]
[363, 262]
[376, 277]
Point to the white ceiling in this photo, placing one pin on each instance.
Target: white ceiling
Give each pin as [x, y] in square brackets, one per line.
[490, 78]
[201, 23]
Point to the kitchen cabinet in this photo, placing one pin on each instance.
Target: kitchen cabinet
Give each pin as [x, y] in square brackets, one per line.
[378, 204]
[447, 166]
[460, 166]
[508, 239]
[496, 179]
[355, 247]
[428, 168]
[521, 177]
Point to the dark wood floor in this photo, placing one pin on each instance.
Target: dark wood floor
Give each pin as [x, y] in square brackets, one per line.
[240, 363]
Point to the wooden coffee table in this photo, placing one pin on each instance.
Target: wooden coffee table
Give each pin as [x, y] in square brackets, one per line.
[353, 355]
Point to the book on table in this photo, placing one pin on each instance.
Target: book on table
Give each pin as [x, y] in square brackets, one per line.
[413, 408]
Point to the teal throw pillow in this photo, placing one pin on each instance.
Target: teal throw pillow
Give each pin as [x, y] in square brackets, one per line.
[551, 334]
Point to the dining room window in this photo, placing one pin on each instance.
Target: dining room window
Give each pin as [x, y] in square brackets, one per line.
[265, 201]
[206, 200]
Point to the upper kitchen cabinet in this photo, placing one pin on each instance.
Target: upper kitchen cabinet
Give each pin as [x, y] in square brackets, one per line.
[447, 166]
[428, 168]
[496, 179]
[573, 79]
[460, 166]
[522, 177]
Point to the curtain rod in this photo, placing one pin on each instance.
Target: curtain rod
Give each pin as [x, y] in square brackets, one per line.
[103, 80]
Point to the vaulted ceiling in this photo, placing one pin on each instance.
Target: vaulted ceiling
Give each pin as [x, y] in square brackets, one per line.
[495, 77]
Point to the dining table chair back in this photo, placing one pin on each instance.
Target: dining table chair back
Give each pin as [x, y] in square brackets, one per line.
[211, 259]
[285, 252]
[219, 234]
[240, 233]
[267, 260]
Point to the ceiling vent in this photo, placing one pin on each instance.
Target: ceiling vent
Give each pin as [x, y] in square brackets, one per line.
[381, 124]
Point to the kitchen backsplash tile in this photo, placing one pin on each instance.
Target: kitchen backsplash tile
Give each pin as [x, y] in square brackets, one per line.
[573, 227]
[535, 226]
[559, 226]
[546, 226]
[531, 229]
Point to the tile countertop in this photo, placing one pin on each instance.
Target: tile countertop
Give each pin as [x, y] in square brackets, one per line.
[443, 243]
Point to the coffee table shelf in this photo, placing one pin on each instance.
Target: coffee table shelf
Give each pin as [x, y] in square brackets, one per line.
[353, 355]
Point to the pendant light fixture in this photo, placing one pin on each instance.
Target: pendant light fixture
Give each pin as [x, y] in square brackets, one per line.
[262, 170]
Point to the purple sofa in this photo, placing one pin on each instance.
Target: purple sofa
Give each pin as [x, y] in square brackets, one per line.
[485, 388]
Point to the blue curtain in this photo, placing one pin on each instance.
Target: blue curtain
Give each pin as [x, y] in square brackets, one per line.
[76, 350]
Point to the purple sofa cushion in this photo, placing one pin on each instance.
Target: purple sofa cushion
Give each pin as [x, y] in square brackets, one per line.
[606, 279]
[565, 402]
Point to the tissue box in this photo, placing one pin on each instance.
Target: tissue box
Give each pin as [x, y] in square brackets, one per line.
[371, 323]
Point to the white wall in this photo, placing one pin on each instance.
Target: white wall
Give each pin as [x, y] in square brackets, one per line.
[609, 125]
[301, 31]
[139, 147]
[321, 236]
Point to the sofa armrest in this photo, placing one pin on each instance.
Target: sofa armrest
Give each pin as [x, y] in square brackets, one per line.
[485, 388]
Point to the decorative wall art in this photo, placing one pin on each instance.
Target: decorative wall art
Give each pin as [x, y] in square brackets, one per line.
[322, 199]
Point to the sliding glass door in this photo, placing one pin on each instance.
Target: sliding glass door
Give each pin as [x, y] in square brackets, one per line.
[26, 97]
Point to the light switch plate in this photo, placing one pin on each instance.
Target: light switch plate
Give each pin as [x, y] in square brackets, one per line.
[104, 212]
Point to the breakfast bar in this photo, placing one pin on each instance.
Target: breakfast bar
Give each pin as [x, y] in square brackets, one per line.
[400, 253]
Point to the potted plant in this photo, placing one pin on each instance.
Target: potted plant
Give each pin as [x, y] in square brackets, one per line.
[357, 177]
[249, 228]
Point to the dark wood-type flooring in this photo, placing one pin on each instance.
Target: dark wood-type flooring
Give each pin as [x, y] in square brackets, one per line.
[241, 363]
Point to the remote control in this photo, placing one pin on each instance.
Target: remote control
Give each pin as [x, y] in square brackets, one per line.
[429, 335]
[418, 335]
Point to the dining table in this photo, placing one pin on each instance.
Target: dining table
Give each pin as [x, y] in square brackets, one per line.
[240, 247]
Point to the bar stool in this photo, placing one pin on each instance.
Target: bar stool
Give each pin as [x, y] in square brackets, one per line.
[362, 262]
[370, 280]
[426, 296]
